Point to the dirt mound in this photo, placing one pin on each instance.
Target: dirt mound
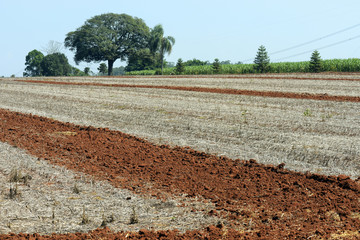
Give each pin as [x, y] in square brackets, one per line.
[324, 97]
[259, 200]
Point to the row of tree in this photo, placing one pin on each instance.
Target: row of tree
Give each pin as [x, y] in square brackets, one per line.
[197, 62]
[180, 65]
[53, 64]
[262, 61]
[108, 37]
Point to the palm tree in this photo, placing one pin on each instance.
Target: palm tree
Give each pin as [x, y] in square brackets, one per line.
[166, 44]
[156, 34]
[161, 44]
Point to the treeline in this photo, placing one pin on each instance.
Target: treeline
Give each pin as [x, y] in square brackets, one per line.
[106, 38]
[109, 37]
[57, 64]
[54, 64]
[261, 64]
[331, 65]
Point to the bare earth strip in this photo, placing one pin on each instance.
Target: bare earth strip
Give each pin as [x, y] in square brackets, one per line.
[57, 200]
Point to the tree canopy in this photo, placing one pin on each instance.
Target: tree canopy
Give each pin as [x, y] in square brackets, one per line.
[196, 62]
[108, 37]
[160, 44]
[142, 59]
[152, 56]
[33, 63]
[56, 64]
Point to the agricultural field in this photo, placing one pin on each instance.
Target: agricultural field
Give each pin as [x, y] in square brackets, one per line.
[197, 161]
[334, 65]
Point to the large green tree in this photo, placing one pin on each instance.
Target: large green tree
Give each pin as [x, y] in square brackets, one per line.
[33, 63]
[160, 44]
[56, 64]
[108, 37]
[262, 61]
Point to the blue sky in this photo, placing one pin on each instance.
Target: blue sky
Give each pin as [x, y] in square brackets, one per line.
[228, 29]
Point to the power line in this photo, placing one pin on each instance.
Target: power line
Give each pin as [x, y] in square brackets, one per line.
[312, 41]
[315, 40]
[327, 46]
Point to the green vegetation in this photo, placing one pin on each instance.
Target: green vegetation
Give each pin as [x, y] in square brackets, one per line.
[119, 71]
[54, 64]
[331, 65]
[262, 60]
[179, 68]
[216, 67]
[196, 62]
[87, 71]
[102, 68]
[307, 113]
[159, 44]
[33, 63]
[108, 37]
[315, 62]
[142, 59]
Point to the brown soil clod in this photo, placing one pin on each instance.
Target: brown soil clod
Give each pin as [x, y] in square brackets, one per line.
[259, 201]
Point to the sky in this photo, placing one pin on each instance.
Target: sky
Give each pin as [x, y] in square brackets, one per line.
[227, 29]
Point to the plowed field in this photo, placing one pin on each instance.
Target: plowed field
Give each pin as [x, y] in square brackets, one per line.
[251, 200]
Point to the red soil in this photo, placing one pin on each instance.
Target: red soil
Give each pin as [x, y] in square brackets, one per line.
[260, 201]
[289, 76]
[320, 76]
[324, 97]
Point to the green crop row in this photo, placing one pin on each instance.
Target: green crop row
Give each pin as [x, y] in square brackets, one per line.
[332, 65]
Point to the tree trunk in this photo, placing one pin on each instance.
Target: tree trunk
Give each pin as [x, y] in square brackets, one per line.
[110, 67]
[162, 64]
